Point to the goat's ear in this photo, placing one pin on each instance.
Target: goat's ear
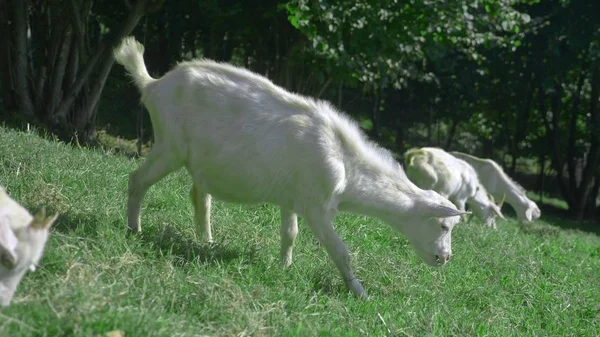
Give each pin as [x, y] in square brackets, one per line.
[441, 211]
[8, 245]
[40, 221]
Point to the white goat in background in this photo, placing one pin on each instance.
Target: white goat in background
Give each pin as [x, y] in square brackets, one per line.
[435, 169]
[22, 241]
[498, 183]
[245, 140]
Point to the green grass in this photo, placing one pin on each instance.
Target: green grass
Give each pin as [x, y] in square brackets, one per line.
[542, 281]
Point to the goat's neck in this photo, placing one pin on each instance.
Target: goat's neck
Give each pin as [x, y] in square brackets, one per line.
[375, 194]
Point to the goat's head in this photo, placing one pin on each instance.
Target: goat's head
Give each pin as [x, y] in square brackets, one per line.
[531, 213]
[429, 228]
[21, 250]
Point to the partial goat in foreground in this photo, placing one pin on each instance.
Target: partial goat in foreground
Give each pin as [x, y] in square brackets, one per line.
[498, 183]
[245, 140]
[22, 241]
[435, 169]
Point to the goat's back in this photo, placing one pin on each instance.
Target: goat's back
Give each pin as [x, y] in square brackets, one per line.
[244, 139]
[453, 176]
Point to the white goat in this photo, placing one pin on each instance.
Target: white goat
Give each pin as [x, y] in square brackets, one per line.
[498, 183]
[455, 179]
[245, 140]
[22, 242]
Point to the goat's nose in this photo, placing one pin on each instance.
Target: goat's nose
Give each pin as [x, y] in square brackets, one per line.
[445, 257]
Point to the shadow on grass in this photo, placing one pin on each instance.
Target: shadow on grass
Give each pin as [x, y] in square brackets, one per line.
[169, 241]
[68, 222]
[559, 219]
[328, 283]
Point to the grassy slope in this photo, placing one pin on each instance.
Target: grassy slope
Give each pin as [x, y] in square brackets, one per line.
[94, 279]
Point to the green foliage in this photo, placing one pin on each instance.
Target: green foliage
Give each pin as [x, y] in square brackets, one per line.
[94, 279]
[390, 42]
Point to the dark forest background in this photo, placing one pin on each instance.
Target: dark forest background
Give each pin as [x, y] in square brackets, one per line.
[517, 81]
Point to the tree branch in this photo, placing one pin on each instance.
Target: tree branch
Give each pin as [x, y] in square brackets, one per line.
[324, 87]
[77, 24]
[103, 53]
[58, 73]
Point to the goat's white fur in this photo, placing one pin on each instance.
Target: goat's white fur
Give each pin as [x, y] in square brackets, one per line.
[245, 140]
[498, 183]
[435, 169]
[22, 241]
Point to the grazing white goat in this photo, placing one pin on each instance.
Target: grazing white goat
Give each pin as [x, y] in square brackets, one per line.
[498, 183]
[22, 241]
[245, 140]
[455, 179]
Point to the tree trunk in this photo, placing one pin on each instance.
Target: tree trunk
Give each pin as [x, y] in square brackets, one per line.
[21, 65]
[340, 93]
[488, 148]
[542, 177]
[513, 162]
[521, 127]
[161, 60]
[551, 124]
[55, 92]
[375, 132]
[400, 146]
[84, 110]
[571, 155]
[451, 134]
[584, 189]
[592, 208]
[8, 93]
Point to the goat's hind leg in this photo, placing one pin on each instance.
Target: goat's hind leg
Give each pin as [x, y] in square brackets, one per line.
[288, 233]
[202, 206]
[158, 163]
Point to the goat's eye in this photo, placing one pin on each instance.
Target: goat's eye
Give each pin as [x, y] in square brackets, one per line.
[445, 228]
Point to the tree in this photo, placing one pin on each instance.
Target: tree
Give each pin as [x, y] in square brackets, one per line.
[56, 57]
[541, 97]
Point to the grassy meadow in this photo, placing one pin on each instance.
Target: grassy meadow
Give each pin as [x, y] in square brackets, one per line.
[543, 280]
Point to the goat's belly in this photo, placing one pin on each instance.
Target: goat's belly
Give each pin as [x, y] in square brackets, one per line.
[233, 195]
[240, 189]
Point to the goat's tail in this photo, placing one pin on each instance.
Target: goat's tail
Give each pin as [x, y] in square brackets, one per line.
[130, 54]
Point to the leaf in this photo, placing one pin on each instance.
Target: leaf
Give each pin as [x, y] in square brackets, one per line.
[294, 21]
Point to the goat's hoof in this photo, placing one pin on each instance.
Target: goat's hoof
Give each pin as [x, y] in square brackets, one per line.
[286, 260]
[133, 232]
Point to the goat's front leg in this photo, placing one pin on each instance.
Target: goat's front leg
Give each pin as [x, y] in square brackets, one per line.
[461, 205]
[288, 233]
[321, 225]
[8, 287]
[158, 164]
[202, 205]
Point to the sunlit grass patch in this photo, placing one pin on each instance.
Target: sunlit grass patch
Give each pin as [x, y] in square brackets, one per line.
[539, 280]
